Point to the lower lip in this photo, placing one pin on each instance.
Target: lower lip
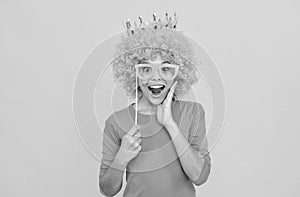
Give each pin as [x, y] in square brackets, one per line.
[155, 95]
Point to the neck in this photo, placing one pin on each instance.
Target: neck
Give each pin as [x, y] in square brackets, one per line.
[145, 106]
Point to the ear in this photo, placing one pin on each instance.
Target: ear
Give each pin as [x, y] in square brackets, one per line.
[140, 93]
[174, 97]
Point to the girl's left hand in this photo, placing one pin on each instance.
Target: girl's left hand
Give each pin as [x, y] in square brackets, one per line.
[164, 112]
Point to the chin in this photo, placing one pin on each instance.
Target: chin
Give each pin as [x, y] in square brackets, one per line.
[156, 99]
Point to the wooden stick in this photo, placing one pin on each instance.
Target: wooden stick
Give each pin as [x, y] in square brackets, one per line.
[136, 97]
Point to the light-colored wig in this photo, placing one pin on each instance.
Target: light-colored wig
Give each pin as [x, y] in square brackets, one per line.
[145, 44]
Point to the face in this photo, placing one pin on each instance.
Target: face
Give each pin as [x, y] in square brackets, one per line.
[156, 88]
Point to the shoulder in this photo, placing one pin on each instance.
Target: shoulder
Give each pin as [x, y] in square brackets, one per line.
[120, 119]
[191, 106]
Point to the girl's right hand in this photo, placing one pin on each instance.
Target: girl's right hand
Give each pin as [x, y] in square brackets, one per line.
[130, 145]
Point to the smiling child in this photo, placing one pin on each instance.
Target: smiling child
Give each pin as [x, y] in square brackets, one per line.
[160, 140]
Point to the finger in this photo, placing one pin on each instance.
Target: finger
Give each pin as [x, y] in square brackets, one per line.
[173, 87]
[171, 93]
[133, 130]
[139, 141]
[131, 140]
[138, 148]
[135, 145]
[134, 141]
[137, 135]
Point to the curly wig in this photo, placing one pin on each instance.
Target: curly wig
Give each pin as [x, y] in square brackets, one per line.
[147, 43]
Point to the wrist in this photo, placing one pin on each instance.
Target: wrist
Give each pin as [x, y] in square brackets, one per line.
[172, 129]
[171, 125]
[119, 161]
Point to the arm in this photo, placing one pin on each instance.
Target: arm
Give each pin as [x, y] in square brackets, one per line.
[116, 155]
[111, 182]
[195, 165]
[193, 154]
[111, 169]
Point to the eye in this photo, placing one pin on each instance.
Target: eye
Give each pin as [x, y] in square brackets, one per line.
[165, 69]
[146, 69]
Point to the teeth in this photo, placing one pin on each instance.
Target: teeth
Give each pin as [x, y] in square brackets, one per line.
[156, 86]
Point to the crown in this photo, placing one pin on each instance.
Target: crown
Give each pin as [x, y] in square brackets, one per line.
[157, 23]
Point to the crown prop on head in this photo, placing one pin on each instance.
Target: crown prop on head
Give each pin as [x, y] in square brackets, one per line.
[156, 24]
[158, 34]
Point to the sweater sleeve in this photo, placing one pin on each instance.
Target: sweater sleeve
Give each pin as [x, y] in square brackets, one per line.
[197, 133]
[198, 140]
[111, 144]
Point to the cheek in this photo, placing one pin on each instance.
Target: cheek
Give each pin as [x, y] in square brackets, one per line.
[169, 83]
[142, 83]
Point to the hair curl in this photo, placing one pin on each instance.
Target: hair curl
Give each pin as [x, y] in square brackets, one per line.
[170, 45]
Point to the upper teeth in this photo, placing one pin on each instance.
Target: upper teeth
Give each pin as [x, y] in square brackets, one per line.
[156, 86]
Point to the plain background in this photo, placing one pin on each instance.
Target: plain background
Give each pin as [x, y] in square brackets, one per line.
[254, 43]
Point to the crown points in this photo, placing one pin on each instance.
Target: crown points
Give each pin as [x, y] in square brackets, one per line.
[169, 23]
[141, 19]
[128, 25]
[154, 17]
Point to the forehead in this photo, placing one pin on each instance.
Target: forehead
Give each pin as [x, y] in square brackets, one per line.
[155, 58]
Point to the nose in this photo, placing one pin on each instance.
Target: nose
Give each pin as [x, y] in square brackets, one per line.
[156, 75]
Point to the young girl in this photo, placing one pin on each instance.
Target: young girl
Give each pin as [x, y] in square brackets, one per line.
[159, 140]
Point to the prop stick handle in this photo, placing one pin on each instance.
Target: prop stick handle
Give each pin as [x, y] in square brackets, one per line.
[136, 97]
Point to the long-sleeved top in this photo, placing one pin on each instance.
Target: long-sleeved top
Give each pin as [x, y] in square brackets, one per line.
[156, 170]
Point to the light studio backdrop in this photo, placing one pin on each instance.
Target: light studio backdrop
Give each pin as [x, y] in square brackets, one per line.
[255, 45]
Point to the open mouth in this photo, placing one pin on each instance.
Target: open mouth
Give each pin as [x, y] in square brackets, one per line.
[156, 89]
